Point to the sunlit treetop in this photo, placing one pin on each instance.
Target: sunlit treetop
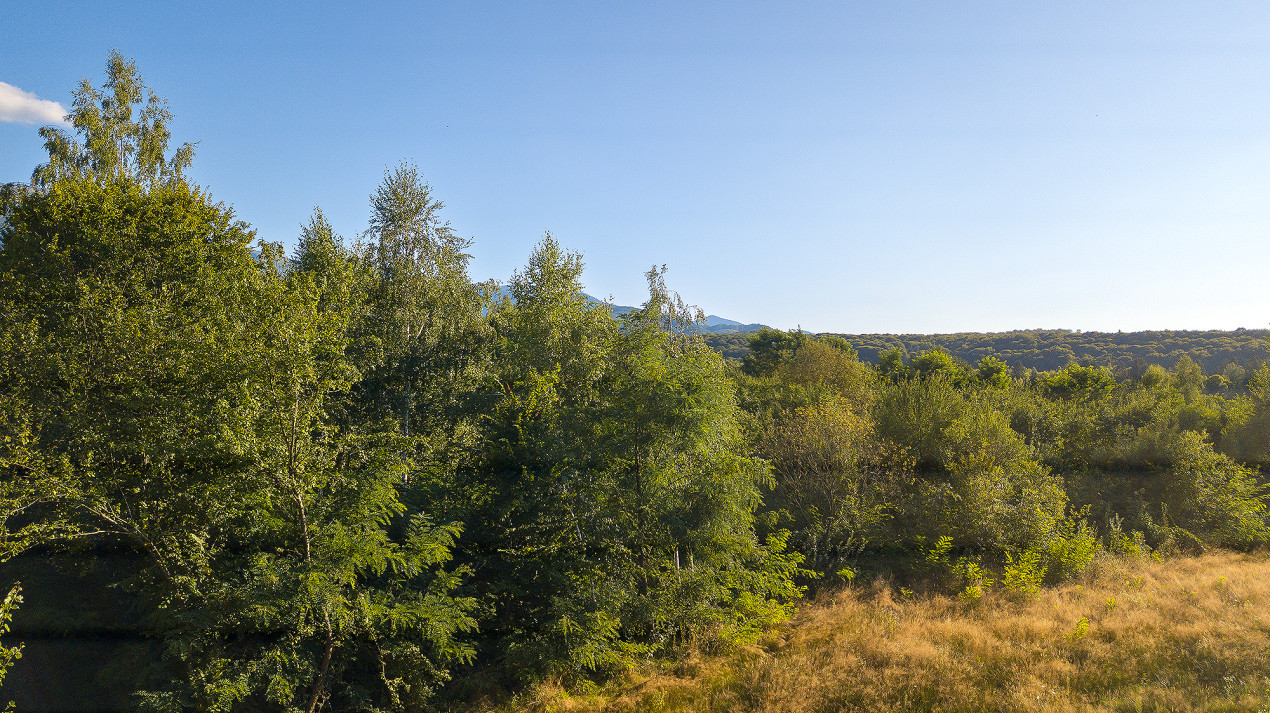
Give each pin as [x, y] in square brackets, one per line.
[122, 133]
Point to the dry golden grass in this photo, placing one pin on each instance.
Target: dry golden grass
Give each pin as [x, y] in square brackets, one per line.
[1185, 634]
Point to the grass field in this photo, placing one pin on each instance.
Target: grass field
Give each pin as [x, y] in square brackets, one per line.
[1183, 634]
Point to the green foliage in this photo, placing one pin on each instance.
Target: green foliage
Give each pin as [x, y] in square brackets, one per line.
[979, 482]
[1155, 376]
[832, 482]
[938, 362]
[612, 513]
[1118, 542]
[938, 555]
[329, 468]
[1073, 547]
[915, 414]
[973, 579]
[768, 348]
[840, 344]
[539, 534]
[193, 406]
[1246, 431]
[1079, 630]
[993, 371]
[9, 654]
[253, 509]
[1216, 498]
[996, 504]
[1083, 382]
[1189, 377]
[820, 366]
[422, 344]
[891, 364]
[1052, 349]
[687, 486]
[122, 139]
[1024, 573]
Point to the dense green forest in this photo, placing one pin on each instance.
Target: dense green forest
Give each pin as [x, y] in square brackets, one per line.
[346, 477]
[1125, 353]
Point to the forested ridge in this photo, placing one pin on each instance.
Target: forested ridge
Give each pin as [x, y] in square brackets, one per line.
[1050, 349]
[346, 477]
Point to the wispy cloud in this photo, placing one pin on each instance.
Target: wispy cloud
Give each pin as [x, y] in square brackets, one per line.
[26, 108]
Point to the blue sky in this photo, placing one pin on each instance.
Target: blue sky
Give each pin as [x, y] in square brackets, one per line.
[850, 167]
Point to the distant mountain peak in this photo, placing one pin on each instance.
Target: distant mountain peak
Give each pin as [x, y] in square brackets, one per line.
[714, 320]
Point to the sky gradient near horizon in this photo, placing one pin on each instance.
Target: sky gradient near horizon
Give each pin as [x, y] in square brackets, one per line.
[907, 167]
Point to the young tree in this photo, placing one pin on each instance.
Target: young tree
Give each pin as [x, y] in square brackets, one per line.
[424, 344]
[339, 598]
[769, 348]
[978, 481]
[891, 364]
[994, 372]
[122, 138]
[685, 486]
[541, 547]
[818, 365]
[938, 361]
[613, 512]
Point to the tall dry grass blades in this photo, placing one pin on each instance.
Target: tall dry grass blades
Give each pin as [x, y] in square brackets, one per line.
[1186, 634]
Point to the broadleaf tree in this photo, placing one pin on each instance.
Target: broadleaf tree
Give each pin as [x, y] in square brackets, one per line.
[183, 398]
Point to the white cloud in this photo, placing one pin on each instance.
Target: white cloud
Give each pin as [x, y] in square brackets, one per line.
[26, 108]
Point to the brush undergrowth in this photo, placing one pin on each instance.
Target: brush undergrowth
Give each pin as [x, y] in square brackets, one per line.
[1131, 634]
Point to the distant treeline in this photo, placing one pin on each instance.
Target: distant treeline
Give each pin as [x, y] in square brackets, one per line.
[1051, 349]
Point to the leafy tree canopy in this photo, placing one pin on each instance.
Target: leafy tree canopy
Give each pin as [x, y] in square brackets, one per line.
[123, 134]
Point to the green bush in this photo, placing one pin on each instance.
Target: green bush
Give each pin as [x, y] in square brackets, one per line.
[1024, 573]
[1072, 549]
[1214, 497]
[1126, 545]
[974, 578]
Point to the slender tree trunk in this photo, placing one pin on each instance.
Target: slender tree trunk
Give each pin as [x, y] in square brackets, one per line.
[641, 518]
[319, 683]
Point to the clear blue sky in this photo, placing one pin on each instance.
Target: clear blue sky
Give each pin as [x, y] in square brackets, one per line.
[851, 167]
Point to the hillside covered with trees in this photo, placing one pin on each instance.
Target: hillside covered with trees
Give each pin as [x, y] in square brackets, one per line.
[1050, 349]
[237, 477]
